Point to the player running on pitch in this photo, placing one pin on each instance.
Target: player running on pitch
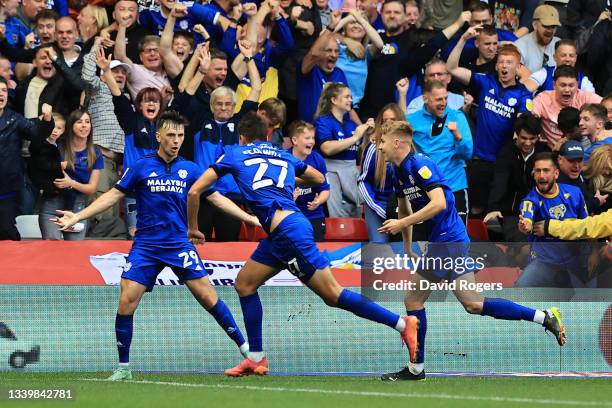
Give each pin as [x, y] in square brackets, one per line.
[161, 182]
[418, 179]
[266, 177]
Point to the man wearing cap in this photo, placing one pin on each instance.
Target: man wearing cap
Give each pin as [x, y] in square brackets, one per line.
[571, 163]
[107, 133]
[538, 47]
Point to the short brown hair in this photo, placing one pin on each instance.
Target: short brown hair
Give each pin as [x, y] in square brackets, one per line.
[146, 40]
[298, 127]
[46, 14]
[275, 110]
[433, 84]
[596, 110]
[251, 127]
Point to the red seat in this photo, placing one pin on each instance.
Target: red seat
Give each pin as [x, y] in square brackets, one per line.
[244, 232]
[477, 229]
[345, 229]
[255, 234]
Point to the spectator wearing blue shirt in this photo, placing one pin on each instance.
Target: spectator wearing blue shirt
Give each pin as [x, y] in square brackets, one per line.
[434, 70]
[317, 69]
[370, 8]
[376, 179]
[357, 38]
[502, 99]
[81, 164]
[338, 140]
[15, 30]
[310, 200]
[216, 136]
[554, 263]
[175, 48]
[443, 134]
[212, 15]
[481, 15]
[138, 122]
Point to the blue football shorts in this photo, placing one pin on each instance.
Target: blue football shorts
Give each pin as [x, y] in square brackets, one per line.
[145, 262]
[291, 245]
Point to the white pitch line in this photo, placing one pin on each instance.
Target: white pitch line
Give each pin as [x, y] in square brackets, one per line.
[369, 393]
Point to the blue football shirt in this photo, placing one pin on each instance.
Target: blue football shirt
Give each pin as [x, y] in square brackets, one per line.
[161, 191]
[309, 89]
[265, 176]
[497, 111]
[307, 194]
[566, 202]
[329, 128]
[414, 177]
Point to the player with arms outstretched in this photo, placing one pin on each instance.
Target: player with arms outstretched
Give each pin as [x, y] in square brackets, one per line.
[161, 182]
[418, 179]
[266, 176]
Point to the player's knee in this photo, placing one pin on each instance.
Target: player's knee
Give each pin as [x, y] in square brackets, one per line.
[243, 287]
[472, 307]
[330, 300]
[331, 295]
[127, 304]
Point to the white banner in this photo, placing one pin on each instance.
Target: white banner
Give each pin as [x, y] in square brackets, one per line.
[223, 273]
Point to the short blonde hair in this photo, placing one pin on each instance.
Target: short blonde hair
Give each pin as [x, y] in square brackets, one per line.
[99, 13]
[398, 128]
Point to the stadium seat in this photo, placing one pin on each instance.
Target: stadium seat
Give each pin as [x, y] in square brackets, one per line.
[477, 229]
[244, 232]
[28, 227]
[345, 229]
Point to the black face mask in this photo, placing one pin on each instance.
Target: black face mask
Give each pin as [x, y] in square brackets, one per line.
[438, 126]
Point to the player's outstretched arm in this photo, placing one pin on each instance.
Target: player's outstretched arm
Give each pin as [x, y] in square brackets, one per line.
[104, 202]
[310, 177]
[193, 197]
[437, 203]
[228, 206]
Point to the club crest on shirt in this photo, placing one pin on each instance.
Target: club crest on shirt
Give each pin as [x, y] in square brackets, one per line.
[182, 173]
[557, 212]
[425, 172]
[512, 101]
[389, 49]
[184, 24]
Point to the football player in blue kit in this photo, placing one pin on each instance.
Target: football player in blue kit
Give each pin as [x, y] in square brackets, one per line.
[266, 176]
[160, 182]
[418, 180]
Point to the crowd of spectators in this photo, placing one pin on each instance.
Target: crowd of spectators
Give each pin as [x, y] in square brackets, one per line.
[485, 86]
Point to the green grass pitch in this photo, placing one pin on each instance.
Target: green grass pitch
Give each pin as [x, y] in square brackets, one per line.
[207, 390]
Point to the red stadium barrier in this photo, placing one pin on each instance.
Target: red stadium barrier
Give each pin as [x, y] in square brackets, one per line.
[68, 263]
